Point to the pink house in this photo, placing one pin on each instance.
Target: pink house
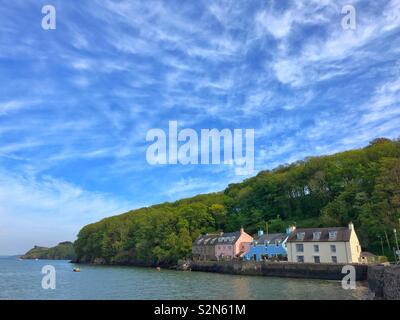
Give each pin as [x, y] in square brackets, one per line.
[233, 244]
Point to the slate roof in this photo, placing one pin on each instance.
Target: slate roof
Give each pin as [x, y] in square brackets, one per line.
[228, 238]
[214, 239]
[206, 240]
[271, 237]
[342, 234]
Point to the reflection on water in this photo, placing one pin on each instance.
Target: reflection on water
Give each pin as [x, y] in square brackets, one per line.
[22, 280]
[241, 287]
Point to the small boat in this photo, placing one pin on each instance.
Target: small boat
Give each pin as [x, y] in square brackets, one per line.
[76, 270]
[158, 269]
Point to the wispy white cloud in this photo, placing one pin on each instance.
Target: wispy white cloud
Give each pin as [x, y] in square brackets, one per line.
[384, 104]
[187, 187]
[16, 105]
[304, 66]
[43, 206]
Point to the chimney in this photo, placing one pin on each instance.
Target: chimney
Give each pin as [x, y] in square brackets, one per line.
[241, 230]
[290, 229]
[351, 225]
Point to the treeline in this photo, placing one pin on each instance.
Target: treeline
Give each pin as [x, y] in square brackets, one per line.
[361, 185]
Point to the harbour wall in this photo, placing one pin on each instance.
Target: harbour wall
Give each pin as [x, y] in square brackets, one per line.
[280, 269]
[384, 282]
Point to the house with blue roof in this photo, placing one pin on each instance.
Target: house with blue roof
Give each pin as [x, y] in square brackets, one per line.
[268, 246]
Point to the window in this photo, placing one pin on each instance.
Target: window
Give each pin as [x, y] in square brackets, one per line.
[299, 247]
[316, 248]
[332, 235]
[316, 235]
[300, 258]
[300, 235]
[334, 259]
[317, 259]
[333, 248]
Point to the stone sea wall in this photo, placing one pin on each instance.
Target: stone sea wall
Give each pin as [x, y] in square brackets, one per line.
[384, 282]
[279, 269]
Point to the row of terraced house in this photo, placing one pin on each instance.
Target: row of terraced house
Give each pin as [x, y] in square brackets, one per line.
[311, 245]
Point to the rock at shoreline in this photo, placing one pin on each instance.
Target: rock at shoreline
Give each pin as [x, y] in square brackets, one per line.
[184, 265]
[99, 261]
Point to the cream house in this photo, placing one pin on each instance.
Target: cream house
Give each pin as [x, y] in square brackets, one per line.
[324, 245]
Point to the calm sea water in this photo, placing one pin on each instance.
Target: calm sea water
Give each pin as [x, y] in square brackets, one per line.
[21, 279]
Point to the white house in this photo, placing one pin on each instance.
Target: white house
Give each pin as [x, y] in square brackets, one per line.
[324, 245]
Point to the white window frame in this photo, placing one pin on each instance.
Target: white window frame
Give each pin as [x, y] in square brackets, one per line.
[332, 235]
[300, 235]
[318, 233]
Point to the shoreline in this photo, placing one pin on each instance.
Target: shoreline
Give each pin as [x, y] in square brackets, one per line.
[383, 282]
[319, 271]
[250, 268]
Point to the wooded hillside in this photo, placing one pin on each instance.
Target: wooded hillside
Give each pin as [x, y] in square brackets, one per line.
[361, 185]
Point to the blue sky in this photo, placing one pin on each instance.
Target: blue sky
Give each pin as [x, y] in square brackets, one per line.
[76, 102]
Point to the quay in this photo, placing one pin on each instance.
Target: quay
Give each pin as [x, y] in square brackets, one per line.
[383, 280]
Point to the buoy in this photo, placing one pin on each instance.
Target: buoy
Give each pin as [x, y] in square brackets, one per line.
[158, 268]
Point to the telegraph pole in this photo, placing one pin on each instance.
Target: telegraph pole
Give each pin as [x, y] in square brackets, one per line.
[397, 244]
[383, 251]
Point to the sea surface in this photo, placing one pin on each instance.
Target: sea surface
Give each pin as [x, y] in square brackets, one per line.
[22, 279]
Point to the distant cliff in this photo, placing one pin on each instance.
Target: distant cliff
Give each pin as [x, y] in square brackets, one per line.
[62, 251]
